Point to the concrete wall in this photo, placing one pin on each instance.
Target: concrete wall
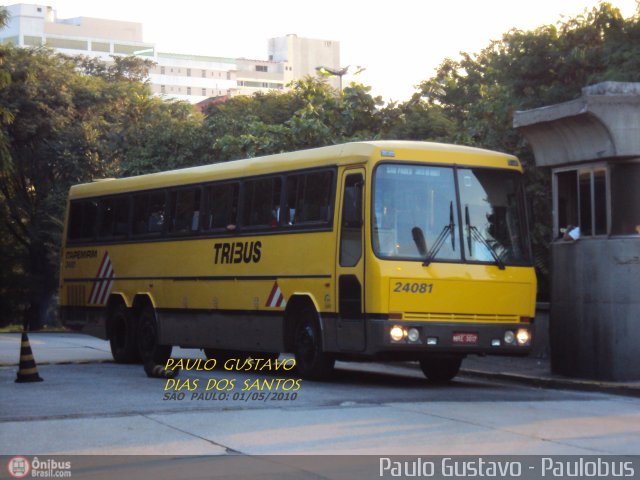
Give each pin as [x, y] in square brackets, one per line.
[541, 331]
[595, 309]
[602, 124]
[25, 20]
[115, 30]
[301, 56]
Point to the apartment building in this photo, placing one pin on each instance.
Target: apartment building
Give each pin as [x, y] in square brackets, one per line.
[183, 76]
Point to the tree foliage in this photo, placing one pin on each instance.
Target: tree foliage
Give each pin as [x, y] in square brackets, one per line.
[48, 148]
[311, 114]
[155, 135]
[417, 119]
[530, 69]
[66, 121]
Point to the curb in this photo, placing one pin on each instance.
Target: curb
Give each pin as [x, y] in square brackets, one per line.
[630, 390]
[64, 362]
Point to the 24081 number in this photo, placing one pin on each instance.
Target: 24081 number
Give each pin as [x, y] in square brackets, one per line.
[413, 287]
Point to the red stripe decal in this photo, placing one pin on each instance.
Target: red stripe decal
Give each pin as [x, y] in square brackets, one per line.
[274, 289]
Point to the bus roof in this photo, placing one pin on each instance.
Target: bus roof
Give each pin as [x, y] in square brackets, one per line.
[343, 154]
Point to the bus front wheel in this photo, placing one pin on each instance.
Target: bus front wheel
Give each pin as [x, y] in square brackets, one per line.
[440, 369]
[122, 335]
[148, 346]
[312, 363]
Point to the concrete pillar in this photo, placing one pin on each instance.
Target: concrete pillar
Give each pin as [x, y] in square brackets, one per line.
[592, 147]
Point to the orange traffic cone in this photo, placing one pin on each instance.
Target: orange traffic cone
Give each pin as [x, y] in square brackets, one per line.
[27, 371]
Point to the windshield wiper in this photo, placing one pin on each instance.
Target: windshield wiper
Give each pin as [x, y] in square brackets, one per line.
[446, 230]
[473, 232]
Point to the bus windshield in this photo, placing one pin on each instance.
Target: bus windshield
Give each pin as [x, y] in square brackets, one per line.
[418, 216]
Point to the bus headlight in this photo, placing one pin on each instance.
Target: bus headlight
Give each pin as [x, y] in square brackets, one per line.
[396, 333]
[413, 335]
[523, 336]
[509, 337]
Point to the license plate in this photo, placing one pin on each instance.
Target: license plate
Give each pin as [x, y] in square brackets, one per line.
[465, 338]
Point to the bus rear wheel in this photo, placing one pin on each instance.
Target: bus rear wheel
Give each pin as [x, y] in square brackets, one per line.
[312, 363]
[122, 335]
[148, 346]
[440, 369]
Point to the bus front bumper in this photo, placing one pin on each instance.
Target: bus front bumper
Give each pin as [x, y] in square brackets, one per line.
[390, 337]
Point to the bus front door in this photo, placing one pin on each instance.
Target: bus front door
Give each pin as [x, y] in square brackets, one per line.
[350, 268]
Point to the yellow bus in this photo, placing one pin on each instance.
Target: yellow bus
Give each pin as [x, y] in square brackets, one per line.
[383, 250]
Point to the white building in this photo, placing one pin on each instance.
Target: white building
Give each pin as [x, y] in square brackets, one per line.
[181, 76]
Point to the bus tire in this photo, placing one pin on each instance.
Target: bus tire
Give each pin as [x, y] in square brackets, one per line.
[148, 347]
[122, 335]
[440, 369]
[312, 363]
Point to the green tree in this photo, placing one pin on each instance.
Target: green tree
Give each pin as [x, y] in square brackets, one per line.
[155, 135]
[66, 121]
[248, 126]
[417, 119]
[311, 114]
[45, 153]
[139, 133]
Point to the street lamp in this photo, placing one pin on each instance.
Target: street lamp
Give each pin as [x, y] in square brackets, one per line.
[337, 72]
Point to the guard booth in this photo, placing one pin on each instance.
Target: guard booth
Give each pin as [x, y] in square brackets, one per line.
[591, 146]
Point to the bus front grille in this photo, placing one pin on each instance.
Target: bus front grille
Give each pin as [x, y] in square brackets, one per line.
[460, 317]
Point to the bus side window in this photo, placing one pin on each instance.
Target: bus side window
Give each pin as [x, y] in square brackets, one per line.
[308, 198]
[351, 229]
[293, 193]
[149, 211]
[83, 220]
[317, 197]
[74, 231]
[113, 217]
[261, 207]
[352, 207]
[185, 207]
[220, 207]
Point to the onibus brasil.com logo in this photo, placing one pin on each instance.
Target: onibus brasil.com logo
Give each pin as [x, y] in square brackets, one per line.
[21, 467]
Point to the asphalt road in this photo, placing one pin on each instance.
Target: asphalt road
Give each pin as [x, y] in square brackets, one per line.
[106, 408]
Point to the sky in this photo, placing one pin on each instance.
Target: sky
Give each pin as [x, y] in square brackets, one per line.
[399, 42]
